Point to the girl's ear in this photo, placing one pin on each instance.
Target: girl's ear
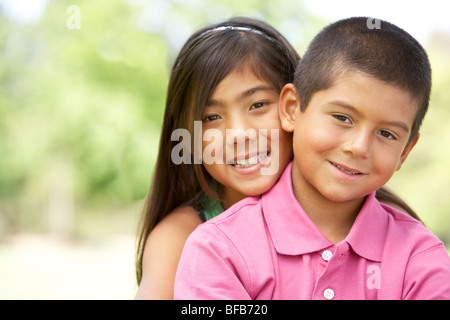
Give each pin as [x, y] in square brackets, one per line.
[288, 107]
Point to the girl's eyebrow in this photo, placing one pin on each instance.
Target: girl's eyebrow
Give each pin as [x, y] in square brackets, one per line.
[251, 91]
[212, 103]
[245, 94]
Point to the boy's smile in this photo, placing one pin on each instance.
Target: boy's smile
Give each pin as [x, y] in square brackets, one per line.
[346, 172]
[350, 139]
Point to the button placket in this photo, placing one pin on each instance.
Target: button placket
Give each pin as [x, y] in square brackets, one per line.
[328, 294]
[326, 255]
[330, 281]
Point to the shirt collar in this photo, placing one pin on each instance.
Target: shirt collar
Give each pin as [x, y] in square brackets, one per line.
[293, 233]
[368, 233]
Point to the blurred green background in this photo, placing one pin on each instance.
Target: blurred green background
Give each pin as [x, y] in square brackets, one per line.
[81, 104]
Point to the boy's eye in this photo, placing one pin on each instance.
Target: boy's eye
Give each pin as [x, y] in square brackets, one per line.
[342, 118]
[211, 118]
[387, 134]
[258, 105]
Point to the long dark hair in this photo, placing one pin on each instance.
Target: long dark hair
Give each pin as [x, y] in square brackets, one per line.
[207, 58]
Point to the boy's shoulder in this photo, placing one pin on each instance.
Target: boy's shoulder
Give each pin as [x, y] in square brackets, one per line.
[407, 229]
[238, 224]
[399, 217]
[242, 212]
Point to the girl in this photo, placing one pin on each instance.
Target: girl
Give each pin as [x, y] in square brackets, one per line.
[228, 76]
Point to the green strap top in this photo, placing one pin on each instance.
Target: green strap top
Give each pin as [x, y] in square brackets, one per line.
[211, 207]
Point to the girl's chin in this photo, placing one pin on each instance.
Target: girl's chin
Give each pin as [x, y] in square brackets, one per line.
[254, 189]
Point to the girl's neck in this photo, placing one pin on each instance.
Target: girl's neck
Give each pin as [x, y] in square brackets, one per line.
[229, 196]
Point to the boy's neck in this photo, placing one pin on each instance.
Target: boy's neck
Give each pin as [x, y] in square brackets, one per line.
[333, 219]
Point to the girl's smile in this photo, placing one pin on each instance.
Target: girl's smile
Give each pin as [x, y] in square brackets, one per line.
[249, 161]
[244, 109]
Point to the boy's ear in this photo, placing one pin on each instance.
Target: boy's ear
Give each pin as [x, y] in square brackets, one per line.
[288, 107]
[407, 150]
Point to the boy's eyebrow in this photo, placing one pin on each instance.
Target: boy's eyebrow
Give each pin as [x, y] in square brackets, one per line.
[345, 105]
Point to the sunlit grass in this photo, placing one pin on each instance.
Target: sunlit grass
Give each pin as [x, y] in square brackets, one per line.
[38, 267]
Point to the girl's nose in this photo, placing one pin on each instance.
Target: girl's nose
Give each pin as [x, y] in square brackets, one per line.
[239, 131]
[241, 139]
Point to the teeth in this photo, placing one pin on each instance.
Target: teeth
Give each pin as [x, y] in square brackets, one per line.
[250, 161]
[345, 170]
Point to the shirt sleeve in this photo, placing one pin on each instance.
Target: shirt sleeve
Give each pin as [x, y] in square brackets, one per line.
[211, 268]
[428, 275]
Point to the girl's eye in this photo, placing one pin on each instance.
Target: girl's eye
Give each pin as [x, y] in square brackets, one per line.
[211, 118]
[258, 105]
[342, 118]
[387, 134]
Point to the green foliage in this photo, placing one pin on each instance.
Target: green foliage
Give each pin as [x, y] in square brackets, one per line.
[424, 179]
[91, 98]
[81, 109]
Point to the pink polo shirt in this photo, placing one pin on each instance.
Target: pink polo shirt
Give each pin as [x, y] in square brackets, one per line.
[267, 248]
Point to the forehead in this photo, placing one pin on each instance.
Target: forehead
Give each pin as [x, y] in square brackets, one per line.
[366, 92]
[239, 80]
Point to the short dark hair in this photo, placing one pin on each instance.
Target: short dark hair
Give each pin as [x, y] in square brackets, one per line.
[383, 51]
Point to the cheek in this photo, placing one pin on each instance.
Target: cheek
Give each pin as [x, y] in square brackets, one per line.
[316, 139]
[212, 143]
[285, 139]
[285, 146]
[217, 172]
[385, 162]
[281, 153]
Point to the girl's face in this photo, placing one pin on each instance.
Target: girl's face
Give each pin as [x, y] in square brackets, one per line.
[244, 147]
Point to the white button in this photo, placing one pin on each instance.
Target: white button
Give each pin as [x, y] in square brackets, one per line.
[326, 255]
[328, 294]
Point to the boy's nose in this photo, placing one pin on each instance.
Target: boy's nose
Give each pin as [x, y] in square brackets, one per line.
[358, 143]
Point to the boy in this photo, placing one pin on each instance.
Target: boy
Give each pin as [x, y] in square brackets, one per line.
[358, 101]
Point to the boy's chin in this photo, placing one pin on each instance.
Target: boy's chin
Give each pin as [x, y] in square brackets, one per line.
[339, 197]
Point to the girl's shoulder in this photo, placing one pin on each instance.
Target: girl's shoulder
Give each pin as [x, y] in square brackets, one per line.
[186, 214]
[162, 253]
[179, 223]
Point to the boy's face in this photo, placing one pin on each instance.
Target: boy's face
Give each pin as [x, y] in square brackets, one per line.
[350, 139]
